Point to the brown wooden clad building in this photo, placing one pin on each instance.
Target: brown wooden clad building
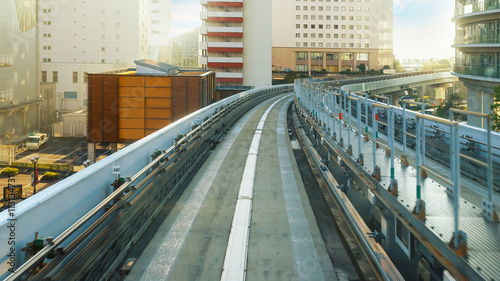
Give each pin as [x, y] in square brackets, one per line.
[125, 106]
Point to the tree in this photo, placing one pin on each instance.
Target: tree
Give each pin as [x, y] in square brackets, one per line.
[454, 101]
[396, 64]
[290, 77]
[386, 67]
[362, 67]
[495, 108]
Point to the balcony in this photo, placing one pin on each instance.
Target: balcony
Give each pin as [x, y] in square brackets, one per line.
[203, 2]
[225, 32]
[224, 17]
[203, 15]
[478, 71]
[225, 44]
[477, 7]
[225, 60]
[203, 60]
[6, 96]
[203, 30]
[6, 60]
[478, 39]
[229, 75]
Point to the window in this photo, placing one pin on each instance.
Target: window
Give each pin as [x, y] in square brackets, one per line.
[297, 8]
[297, 17]
[44, 76]
[55, 77]
[304, 17]
[313, 17]
[313, 35]
[70, 95]
[332, 56]
[317, 56]
[347, 56]
[75, 76]
[297, 35]
[313, 44]
[328, 17]
[85, 77]
[301, 55]
[302, 68]
[320, 26]
[103, 49]
[304, 8]
[304, 35]
[305, 26]
[304, 44]
[367, 27]
[297, 26]
[313, 26]
[403, 236]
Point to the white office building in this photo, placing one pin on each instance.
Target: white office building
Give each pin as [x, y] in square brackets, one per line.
[79, 37]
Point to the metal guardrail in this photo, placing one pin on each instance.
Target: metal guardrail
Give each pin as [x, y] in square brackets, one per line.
[160, 173]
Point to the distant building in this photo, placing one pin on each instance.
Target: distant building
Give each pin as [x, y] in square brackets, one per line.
[332, 35]
[127, 105]
[19, 70]
[159, 30]
[80, 37]
[186, 49]
[477, 51]
[236, 41]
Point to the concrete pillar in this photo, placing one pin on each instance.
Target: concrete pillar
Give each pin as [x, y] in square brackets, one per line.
[339, 62]
[440, 95]
[114, 147]
[475, 104]
[91, 152]
[355, 61]
[324, 61]
[308, 61]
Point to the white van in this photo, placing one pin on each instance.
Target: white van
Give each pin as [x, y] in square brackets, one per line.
[36, 141]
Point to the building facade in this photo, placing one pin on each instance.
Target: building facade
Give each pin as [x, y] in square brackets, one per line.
[236, 41]
[186, 49]
[159, 30]
[19, 70]
[128, 105]
[477, 48]
[334, 35]
[79, 37]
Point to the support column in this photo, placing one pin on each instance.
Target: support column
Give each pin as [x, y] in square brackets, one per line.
[324, 61]
[339, 63]
[91, 152]
[114, 147]
[355, 62]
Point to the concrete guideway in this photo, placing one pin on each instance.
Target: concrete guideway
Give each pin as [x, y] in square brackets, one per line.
[194, 248]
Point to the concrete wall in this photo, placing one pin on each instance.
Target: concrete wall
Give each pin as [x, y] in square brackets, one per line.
[257, 38]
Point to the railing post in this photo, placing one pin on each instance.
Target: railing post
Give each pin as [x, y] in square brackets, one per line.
[375, 137]
[349, 147]
[358, 121]
[418, 207]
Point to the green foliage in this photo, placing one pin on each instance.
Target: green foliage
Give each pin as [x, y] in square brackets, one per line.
[362, 67]
[453, 101]
[9, 172]
[437, 64]
[290, 77]
[43, 166]
[51, 176]
[396, 64]
[386, 67]
[495, 108]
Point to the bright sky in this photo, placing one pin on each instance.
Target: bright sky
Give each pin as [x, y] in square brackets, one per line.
[422, 28]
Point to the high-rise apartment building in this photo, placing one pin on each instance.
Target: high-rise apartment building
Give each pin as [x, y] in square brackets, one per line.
[91, 36]
[186, 49]
[159, 30]
[19, 69]
[236, 41]
[335, 35]
[477, 48]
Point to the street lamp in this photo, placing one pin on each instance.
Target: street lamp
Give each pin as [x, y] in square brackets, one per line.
[86, 163]
[34, 160]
